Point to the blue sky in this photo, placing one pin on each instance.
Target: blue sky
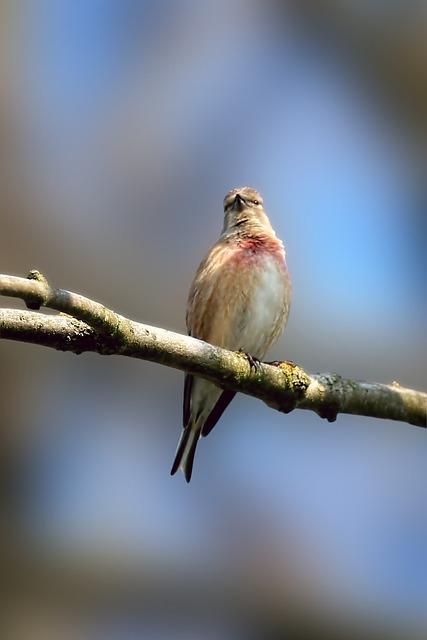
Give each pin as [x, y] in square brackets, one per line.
[135, 113]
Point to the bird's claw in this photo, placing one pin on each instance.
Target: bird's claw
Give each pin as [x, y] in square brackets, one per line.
[253, 362]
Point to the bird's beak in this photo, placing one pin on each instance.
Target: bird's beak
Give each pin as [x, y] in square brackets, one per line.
[239, 203]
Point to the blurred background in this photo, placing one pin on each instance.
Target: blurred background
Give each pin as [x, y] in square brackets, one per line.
[123, 123]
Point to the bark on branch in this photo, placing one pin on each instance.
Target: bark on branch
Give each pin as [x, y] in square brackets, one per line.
[90, 326]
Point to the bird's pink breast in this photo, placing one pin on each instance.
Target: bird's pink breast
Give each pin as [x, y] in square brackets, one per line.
[256, 248]
[241, 295]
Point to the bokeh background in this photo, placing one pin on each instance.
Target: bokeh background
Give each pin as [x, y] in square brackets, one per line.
[123, 124]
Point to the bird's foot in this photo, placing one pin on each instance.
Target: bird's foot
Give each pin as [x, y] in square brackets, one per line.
[253, 362]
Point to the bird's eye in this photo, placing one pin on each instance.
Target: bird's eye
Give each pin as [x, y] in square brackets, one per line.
[256, 201]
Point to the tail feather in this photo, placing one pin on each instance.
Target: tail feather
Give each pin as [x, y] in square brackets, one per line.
[184, 457]
[223, 402]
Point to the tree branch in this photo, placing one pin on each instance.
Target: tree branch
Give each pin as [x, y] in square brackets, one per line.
[89, 326]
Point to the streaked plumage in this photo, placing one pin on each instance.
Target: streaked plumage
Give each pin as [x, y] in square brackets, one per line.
[239, 299]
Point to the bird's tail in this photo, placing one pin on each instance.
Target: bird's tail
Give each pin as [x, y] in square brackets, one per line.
[184, 457]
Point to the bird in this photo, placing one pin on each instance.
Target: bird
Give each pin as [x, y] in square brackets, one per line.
[239, 300]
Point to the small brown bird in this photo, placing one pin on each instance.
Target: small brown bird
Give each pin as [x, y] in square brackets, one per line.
[239, 300]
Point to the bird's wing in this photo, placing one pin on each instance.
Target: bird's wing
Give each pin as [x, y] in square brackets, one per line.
[223, 402]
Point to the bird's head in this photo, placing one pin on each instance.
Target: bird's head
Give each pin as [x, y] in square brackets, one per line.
[244, 213]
